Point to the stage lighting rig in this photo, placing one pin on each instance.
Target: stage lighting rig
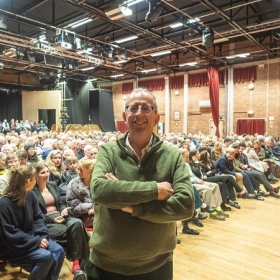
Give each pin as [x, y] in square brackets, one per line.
[208, 37]
[155, 9]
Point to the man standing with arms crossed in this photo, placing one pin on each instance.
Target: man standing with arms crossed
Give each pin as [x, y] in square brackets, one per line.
[140, 187]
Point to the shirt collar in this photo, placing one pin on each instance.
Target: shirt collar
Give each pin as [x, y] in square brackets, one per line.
[143, 151]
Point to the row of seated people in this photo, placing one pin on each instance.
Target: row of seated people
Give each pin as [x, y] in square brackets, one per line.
[220, 183]
[263, 154]
[19, 126]
[67, 223]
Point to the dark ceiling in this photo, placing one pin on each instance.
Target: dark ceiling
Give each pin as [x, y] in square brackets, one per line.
[38, 37]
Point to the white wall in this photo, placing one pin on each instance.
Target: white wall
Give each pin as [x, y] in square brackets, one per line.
[32, 101]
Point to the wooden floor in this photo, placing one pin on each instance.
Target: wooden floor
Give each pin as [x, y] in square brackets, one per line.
[244, 247]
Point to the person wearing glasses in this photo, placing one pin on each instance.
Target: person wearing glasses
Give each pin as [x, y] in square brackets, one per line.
[140, 188]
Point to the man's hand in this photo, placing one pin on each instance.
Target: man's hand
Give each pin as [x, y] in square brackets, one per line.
[90, 211]
[110, 176]
[164, 190]
[128, 209]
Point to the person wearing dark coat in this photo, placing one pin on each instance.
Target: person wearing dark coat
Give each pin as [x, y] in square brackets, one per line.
[24, 238]
[70, 233]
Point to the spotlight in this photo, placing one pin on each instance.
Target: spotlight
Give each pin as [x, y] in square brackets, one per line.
[155, 10]
[1, 65]
[207, 37]
[125, 55]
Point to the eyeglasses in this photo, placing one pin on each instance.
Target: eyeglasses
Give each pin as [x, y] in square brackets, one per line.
[146, 109]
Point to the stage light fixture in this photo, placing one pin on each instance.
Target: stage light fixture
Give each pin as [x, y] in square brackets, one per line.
[155, 10]
[118, 12]
[125, 55]
[3, 21]
[208, 37]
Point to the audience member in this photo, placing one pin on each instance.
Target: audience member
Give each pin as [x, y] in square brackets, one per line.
[31, 154]
[78, 195]
[71, 173]
[24, 239]
[3, 169]
[68, 232]
[11, 161]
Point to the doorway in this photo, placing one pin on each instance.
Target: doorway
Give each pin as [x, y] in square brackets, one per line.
[48, 116]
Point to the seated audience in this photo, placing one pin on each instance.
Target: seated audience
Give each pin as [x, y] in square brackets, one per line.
[7, 149]
[3, 169]
[22, 157]
[80, 152]
[78, 195]
[56, 166]
[71, 173]
[31, 154]
[217, 150]
[259, 150]
[210, 192]
[11, 161]
[226, 182]
[24, 238]
[224, 165]
[241, 163]
[69, 232]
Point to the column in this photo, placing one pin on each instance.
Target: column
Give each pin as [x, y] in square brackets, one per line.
[185, 104]
[167, 105]
[230, 100]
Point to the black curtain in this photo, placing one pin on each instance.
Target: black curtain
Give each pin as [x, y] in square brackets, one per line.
[51, 118]
[78, 107]
[10, 105]
[101, 109]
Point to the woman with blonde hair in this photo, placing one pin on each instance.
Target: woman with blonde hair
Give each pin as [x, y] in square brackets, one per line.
[217, 151]
[78, 195]
[24, 238]
[55, 165]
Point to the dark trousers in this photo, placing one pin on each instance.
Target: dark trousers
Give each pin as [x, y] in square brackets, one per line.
[72, 236]
[43, 264]
[260, 177]
[249, 181]
[164, 272]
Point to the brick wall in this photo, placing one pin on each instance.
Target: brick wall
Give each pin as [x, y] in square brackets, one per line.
[198, 118]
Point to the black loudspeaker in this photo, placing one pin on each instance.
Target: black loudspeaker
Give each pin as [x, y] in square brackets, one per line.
[77, 91]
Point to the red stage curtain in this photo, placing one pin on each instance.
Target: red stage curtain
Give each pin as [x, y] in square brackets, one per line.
[214, 88]
[241, 75]
[127, 88]
[201, 79]
[176, 82]
[250, 126]
[152, 85]
[121, 126]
